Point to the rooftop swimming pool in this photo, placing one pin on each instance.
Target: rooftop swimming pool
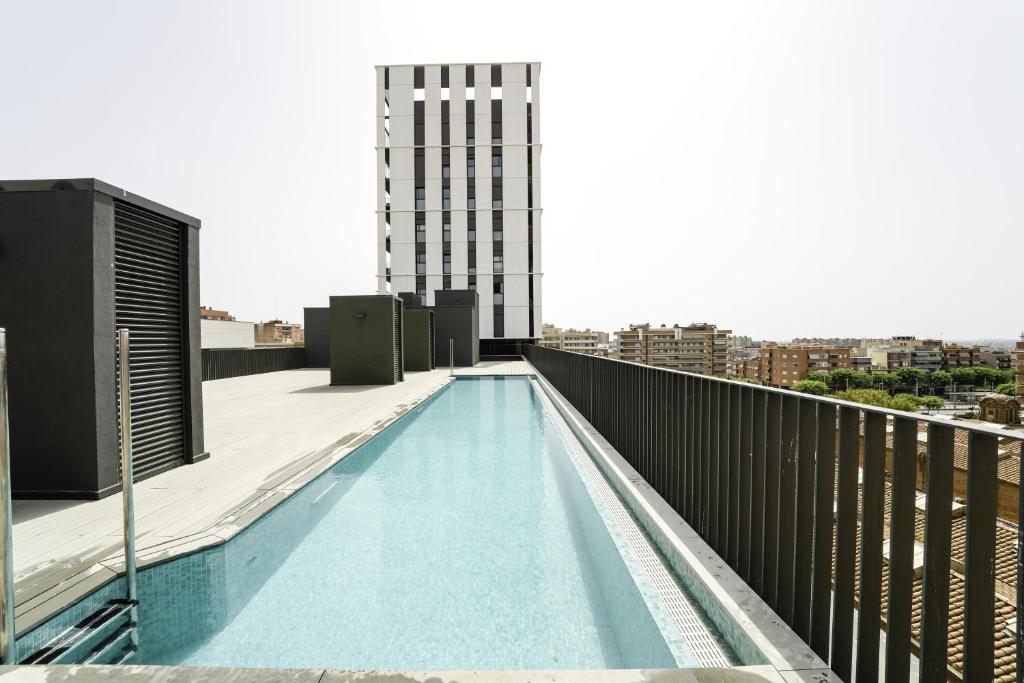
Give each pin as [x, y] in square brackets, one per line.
[467, 535]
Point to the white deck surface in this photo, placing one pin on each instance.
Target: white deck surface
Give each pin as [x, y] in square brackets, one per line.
[497, 367]
[267, 435]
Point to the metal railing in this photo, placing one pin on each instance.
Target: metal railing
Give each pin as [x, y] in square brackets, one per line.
[224, 363]
[127, 481]
[769, 478]
[8, 642]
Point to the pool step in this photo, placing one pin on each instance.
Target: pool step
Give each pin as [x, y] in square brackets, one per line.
[103, 637]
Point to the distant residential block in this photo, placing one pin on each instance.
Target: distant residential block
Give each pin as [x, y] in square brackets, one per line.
[783, 366]
[278, 332]
[580, 341]
[700, 348]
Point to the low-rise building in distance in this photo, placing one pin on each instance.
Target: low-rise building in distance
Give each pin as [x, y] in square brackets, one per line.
[278, 332]
[579, 341]
[219, 330]
[783, 366]
[1020, 367]
[701, 348]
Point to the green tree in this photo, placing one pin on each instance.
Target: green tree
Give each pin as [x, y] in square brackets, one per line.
[842, 379]
[1008, 388]
[871, 397]
[907, 402]
[820, 376]
[882, 379]
[910, 377]
[987, 377]
[882, 399]
[939, 379]
[811, 386]
[963, 376]
[931, 402]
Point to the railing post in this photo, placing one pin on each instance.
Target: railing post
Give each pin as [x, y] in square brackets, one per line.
[451, 357]
[8, 636]
[127, 479]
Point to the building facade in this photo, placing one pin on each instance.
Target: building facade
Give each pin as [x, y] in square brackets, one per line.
[458, 188]
[957, 356]
[782, 366]
[207, 313]
[700, 348]
[1020, 368]
[577, 341]
[278, 332]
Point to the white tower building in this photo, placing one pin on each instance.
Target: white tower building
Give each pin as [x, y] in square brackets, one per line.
[458, 188]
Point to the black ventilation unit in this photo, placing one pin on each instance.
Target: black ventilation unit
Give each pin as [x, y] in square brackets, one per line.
[418, 347]
[78, 260]
[366, 340]
[148, 298]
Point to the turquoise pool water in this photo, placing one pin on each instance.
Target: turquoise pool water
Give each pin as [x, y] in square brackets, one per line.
[461, 537]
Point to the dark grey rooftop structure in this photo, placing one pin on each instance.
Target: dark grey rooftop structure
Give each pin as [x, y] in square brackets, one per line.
[457, 320]
[80, 259]
[366, 340]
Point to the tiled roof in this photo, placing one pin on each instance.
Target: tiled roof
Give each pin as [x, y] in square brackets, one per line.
[1009, 452]
[1006, 580]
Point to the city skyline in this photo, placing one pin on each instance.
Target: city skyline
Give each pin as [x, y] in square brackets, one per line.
[697, 170]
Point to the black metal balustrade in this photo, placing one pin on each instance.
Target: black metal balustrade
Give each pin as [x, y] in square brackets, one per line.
[769, 478]
[224, 363]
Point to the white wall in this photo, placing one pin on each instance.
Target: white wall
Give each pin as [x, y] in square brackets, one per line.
[227, 334]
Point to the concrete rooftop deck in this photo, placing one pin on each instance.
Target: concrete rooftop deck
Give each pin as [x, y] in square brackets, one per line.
[267, 434]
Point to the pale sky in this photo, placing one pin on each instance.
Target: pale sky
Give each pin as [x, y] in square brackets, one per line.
[779, 168]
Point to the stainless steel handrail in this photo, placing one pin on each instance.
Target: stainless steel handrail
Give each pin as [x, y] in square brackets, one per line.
[451, 357]
[127, 479]
[8, 636]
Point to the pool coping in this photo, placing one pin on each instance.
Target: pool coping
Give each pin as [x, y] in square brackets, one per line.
[181, 674]
[693, 560]
[78, 580]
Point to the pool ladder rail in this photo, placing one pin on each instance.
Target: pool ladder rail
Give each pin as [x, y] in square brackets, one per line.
[107, 636]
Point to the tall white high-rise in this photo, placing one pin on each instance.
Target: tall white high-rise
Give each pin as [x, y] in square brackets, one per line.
[458, 188]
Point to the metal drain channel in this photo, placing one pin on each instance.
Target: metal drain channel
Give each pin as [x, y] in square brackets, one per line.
[702, 645]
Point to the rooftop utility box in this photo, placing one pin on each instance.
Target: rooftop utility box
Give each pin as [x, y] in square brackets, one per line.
[418, 346]
[316, 334]
[457, 318]
[366, 340]
[78, 260]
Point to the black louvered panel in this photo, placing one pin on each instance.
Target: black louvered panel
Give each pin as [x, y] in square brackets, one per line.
[430, 341]
[399, 369]
[148, 300]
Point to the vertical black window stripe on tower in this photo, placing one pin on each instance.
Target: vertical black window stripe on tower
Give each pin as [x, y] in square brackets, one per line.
[418, 123]
[496, 122]
[446, 133]
[387, 78]
[529, 268]
[495, 75]
[444, 76]
[417, 77]
[148, 301]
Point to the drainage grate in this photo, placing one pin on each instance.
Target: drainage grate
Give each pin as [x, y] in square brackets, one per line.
[701, 643]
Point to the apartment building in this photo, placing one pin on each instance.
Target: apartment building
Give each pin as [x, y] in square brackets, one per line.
[700, 348]
[458, 188]
[578, 341]
[782, 366]
[900, 352]
[278, 332]
[1020, 367]
[746, 368]
[997, 359]
[957, 356]
[207, 313]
